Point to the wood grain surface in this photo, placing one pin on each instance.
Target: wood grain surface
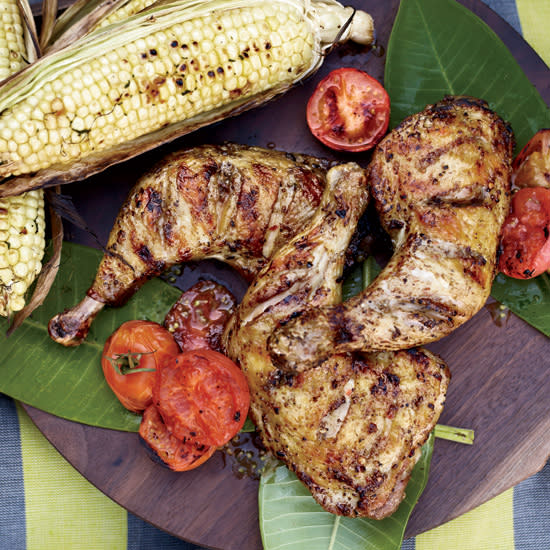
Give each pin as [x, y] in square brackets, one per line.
[500, 386]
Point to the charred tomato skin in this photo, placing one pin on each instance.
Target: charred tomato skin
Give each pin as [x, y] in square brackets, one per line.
[143, 344]
[202, 396]
[349, 110]
[178, 455]
[199, 316]
[525, 239]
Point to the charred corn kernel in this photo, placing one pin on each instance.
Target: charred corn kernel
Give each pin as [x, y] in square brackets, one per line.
[22, 229]
[12, 44]
[179, 61]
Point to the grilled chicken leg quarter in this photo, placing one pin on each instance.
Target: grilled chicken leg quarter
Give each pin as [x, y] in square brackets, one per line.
[441, 182]
[230, 202]
[350, 428]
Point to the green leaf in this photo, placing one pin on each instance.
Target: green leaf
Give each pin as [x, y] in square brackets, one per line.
[353, 283]
[431, 53]
[248, 425]
[529, 299]
[371, 269]
[291, 519]
[439, 47]
[360, 277]
[69, 382]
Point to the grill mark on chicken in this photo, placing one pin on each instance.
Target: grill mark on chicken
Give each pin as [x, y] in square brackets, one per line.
[352, 446]
[193, 192]
[441, 185]
[167, 233]
[285, 195]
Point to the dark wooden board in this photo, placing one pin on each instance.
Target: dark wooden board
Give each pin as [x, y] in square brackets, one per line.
[500, 386]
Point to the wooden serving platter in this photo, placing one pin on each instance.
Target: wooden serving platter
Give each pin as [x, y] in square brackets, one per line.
[500, 386]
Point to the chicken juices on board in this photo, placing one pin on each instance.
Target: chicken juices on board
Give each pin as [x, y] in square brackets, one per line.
[230, 202]
[441, 184]
[350, 428]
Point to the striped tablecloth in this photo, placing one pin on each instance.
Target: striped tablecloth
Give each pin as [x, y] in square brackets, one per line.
[46, 505]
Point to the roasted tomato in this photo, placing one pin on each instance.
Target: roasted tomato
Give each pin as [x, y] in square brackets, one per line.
[131, 356]
[198, 318]
[202, 396]
[531, 168]
[525, 241]
[176, 454]
[349, 110]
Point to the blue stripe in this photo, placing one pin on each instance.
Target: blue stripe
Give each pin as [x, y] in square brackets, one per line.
[12, 489]
[507, 9]
[532, 512]
[142, 535]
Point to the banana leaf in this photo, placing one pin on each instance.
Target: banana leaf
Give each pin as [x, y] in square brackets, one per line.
[439, 47]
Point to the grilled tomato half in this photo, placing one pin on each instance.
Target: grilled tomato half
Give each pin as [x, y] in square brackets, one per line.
[131, 357]
[349, 110]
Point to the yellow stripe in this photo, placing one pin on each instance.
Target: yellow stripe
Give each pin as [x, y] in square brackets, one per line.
[488, 527]
[63, 510]
[534, 16]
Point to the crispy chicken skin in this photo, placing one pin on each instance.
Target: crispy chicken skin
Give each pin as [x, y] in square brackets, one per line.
[231, 202]
[441, 184]
[350, 428]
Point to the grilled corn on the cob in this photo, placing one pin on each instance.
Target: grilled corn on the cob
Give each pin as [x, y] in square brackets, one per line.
[162, 73]
[21, 217]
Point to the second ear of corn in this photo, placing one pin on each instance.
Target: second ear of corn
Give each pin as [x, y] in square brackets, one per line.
[22, 224]
[182, 61]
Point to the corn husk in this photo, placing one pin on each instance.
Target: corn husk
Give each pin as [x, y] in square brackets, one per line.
[79, 19]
